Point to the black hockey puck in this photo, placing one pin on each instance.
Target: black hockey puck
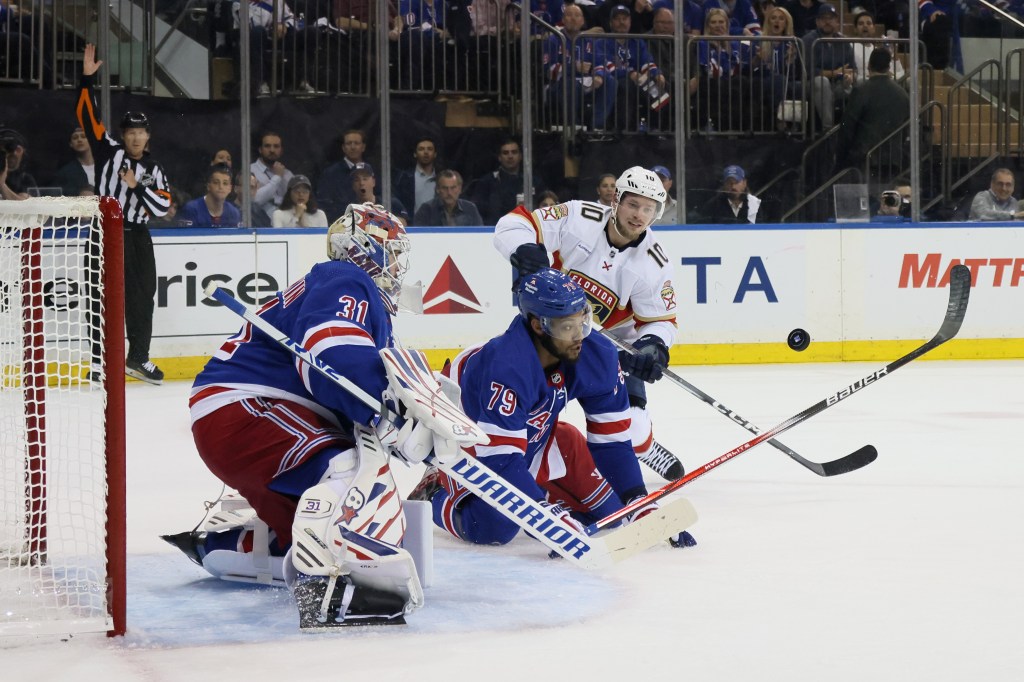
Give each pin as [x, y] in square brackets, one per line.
[798, 340]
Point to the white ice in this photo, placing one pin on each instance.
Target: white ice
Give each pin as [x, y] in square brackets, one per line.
[909, 569]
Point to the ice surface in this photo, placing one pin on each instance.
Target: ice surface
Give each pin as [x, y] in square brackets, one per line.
[906, 570]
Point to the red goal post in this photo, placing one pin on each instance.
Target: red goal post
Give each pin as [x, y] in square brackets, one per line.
[62, 432]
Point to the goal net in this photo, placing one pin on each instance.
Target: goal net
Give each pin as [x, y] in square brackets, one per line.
[61, 416]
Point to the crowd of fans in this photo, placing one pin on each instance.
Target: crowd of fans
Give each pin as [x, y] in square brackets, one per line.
[608, 64]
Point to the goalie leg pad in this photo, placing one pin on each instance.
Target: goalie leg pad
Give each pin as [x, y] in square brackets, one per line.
[352, 524]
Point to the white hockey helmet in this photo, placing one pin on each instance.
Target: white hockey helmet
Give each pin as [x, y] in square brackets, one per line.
[642, 182]
[374, 239]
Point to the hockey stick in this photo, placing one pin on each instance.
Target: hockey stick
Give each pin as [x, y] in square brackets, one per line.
[851, 462]
[959, 294]
[588, 550]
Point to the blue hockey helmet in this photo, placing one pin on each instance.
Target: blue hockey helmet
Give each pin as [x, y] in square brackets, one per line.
[559, 303]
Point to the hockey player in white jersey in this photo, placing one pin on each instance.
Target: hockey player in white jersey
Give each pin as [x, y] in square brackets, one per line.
[613, 255]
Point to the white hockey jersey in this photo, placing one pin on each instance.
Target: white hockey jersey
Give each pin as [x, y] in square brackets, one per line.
[630, 288]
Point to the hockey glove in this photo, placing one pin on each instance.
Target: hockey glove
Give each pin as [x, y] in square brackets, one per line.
[529, 258]
[565, 515]
[649, 361]
[643, 511]
[406, 439]
[682, 541]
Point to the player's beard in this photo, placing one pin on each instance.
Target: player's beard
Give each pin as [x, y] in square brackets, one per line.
[562, 354]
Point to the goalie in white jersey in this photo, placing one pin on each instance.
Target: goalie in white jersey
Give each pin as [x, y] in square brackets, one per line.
[613, 255]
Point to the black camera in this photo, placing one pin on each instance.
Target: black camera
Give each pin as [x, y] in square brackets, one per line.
[892, 199]
[10, 140]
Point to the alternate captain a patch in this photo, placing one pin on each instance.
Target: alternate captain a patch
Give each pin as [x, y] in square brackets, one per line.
[604, 300]
[668, 295]
[556, 212]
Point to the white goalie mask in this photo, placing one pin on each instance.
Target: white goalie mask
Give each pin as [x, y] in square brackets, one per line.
[375, 240]
[642, 182]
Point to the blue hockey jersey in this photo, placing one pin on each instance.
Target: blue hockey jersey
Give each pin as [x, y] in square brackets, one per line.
[507, 392]
[334, 311]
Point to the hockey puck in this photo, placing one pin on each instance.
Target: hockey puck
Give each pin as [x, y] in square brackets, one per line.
[798, 340]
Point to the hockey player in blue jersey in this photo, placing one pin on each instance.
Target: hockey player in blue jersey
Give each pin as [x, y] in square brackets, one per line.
[515, 386]
[306, 457]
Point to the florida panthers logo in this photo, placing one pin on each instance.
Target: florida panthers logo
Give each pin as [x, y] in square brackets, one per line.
[604, 300]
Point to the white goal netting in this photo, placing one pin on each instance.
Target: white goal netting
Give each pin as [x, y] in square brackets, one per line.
[53, 469]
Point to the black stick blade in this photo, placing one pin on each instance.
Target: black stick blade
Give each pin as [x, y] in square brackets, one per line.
[959, 295]
[851, 462]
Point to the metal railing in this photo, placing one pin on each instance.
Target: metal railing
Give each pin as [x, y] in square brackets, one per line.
[974, 134]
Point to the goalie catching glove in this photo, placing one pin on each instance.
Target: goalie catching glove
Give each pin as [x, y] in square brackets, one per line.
[423, 416]
[648, 362]
[411, 439]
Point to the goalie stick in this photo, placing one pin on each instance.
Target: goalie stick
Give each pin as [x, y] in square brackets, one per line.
[594, 549]
[959, 294]
[851, 462]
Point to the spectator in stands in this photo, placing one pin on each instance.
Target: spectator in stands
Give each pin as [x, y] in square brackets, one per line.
[577, 63]
[805, 16]
[940, 32]
[546, 199]
[606, 189]
[418, 186]
[421, 48]
[997, 202]
[670, 216]
[864, 27]
[742, 17]
[732, 203]
[876, 109]
[662, 47]
[761, 9]
[14, 179]
[271, 175]
[270, 22]
[364, 186]
[641, 14]
[258, 218]
[18, 60]
[221, 157]
[357, 20]
[778, 63]
[79, 172]
[833, 63]
[334, 191]
[298, 209]
[640, 85]
[716, 79]
[488, 20]
[213, 209]
[448, 209]
[501, 190]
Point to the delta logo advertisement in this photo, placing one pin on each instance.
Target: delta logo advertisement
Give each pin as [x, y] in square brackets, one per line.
[449, 293]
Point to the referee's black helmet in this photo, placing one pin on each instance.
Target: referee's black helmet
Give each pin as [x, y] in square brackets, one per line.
[134, 119]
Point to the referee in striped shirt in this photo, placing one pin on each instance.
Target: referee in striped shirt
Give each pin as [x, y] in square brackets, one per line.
[127, 173]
